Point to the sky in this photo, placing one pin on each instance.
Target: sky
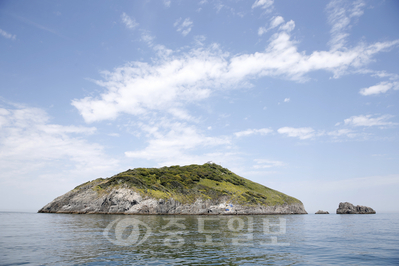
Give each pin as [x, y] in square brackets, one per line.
[300, 96]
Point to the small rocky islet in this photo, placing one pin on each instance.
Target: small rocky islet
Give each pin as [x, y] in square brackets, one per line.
[193, 189]
[349, 208]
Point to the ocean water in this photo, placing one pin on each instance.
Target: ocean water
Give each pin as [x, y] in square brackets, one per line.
[69, 239]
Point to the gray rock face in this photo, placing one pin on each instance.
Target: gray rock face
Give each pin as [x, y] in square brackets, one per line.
[348, 208]
[126, 201]
[322, 212]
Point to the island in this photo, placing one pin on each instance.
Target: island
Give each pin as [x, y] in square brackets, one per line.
[193, 189]
[349, 208]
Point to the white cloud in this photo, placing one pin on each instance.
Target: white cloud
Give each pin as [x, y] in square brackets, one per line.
[129, 22]
[7, 35]
[282, 58]
[183, 27]
[382, 87]
[176, 80]
[139, 88]
[384, 74]
[264, 163]
[199, 40]
[248, 132]
[147, 38]
[302, 132]
[286, 100]
[274, 22]
[342, 132]
[368, 121]
[40, 160]
[172, 142]
[261, 31]
[378, 73]
[289, 26]
[340, 15]
[29, 142]
[263, 4]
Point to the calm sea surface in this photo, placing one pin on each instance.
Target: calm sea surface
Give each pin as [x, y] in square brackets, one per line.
[68, 239]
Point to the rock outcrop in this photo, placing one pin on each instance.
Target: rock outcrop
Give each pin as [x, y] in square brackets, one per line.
[126, 201]
[349, 208]
[213, 193]
[322, 212]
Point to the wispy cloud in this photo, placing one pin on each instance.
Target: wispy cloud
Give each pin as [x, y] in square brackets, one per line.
[282, 58]
[264, 163]
[381, 87]
[175, 80]
[42, 160]
[28, 141]
[41, 27]
[265, 4]
[309, 133]
[141, 88]
[184, 26]
[199, 40]
[289, 26]
[301, 132]
[7, 35]
[161, 51]
[248, 132]
[342, 132]
[167, 3]
[147, 37]
[368, 121]
[340, 14]
[159, 92]
[128, 21]
[274, 22]
[173, 141]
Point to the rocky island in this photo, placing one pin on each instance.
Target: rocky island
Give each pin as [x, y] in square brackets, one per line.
[322, 212]
[192, 189]
[349, 208]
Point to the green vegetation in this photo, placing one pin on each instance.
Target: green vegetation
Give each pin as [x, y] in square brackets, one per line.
[188, 183]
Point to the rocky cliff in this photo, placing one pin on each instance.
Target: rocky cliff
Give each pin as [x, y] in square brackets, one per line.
[193, 189]
[349, 208]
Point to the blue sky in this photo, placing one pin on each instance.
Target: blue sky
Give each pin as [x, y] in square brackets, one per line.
[300, 96]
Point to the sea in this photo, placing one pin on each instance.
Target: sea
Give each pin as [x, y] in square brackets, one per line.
[95, 239]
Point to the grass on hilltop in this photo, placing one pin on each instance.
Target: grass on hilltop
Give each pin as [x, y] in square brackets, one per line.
[188, 183]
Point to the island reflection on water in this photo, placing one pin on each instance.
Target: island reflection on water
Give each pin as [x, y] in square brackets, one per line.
[185, 239]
